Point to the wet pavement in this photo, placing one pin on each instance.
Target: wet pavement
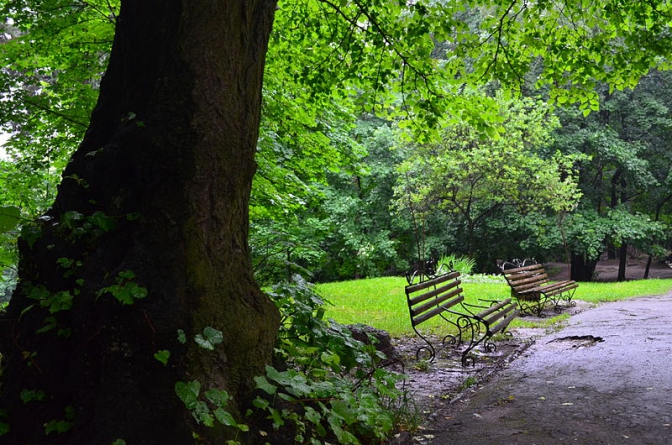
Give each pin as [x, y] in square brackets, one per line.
[604, 379]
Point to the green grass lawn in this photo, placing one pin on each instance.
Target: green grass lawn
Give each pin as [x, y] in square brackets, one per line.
[381, 302]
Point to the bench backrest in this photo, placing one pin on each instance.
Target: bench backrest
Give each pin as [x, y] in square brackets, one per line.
[527, 277]
[433, 297]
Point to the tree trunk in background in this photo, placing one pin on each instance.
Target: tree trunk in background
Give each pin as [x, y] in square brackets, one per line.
[582, 268]
[622, 262]
[159, 187]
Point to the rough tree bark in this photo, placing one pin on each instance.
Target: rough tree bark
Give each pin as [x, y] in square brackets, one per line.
[159, 187]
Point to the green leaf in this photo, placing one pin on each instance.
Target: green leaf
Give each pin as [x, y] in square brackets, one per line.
[57, 426]
[162, 356]
[188, 392]
[201, 413]
[29, 395]
[9, 218]
[224, 417]
[264, 385]
[210, 338]
[342, 410]
[102, 221]
[217, 397]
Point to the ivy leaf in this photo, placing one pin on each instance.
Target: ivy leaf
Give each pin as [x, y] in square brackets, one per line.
[9, 218]
[29, 395]
[224, 417]
[57, 426]
[264, 385]
[217, 397]
[188, 392]
[210, 338]
[162, 356]
[181, 336]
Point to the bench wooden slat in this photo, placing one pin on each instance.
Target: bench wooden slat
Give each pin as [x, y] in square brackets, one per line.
[523, 269]
[434, 312]
[494, 316]
[493, 308]
[434, 292]
[559, 290]
[523, 279]
[504, 323]
[418, 310]
[430, 283]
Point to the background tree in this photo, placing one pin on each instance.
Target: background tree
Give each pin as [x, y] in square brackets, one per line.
[474, 178]
[627, 144]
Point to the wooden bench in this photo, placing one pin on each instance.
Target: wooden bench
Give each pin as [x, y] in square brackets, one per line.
[442, 296]
[531, 287]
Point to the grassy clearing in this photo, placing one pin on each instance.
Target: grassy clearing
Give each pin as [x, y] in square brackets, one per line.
[381, 302]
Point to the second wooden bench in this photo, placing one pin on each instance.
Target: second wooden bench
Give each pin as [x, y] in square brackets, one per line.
[532, 288]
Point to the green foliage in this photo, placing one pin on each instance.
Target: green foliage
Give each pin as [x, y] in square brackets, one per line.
[474, 177]
[211, 405]
[30, 395]
[343, 394]
[628, 170]
[9, 218]
[208, 406]
[63, 425]
[462, 264]
[126, 290]
[589, 233]
[209, 339]
[162, 356]
[53, 301]
[78, 225]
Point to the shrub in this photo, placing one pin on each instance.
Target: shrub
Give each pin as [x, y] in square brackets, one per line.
[462, 264]
[328, 386]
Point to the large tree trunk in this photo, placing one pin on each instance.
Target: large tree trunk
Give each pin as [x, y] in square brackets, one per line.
[158, 187]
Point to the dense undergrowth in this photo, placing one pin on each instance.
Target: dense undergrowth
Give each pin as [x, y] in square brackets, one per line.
[326, 386]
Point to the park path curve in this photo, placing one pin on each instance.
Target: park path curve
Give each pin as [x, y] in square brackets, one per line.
[604, 379]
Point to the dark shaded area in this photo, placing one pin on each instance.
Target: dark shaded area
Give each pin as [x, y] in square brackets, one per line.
[607, 271]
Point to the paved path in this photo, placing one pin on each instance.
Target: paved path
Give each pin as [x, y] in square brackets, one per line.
[605, 379]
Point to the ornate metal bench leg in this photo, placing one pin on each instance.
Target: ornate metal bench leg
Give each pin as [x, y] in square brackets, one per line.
[425, 350]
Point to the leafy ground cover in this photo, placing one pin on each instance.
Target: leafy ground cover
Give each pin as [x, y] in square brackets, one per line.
[381, 302]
